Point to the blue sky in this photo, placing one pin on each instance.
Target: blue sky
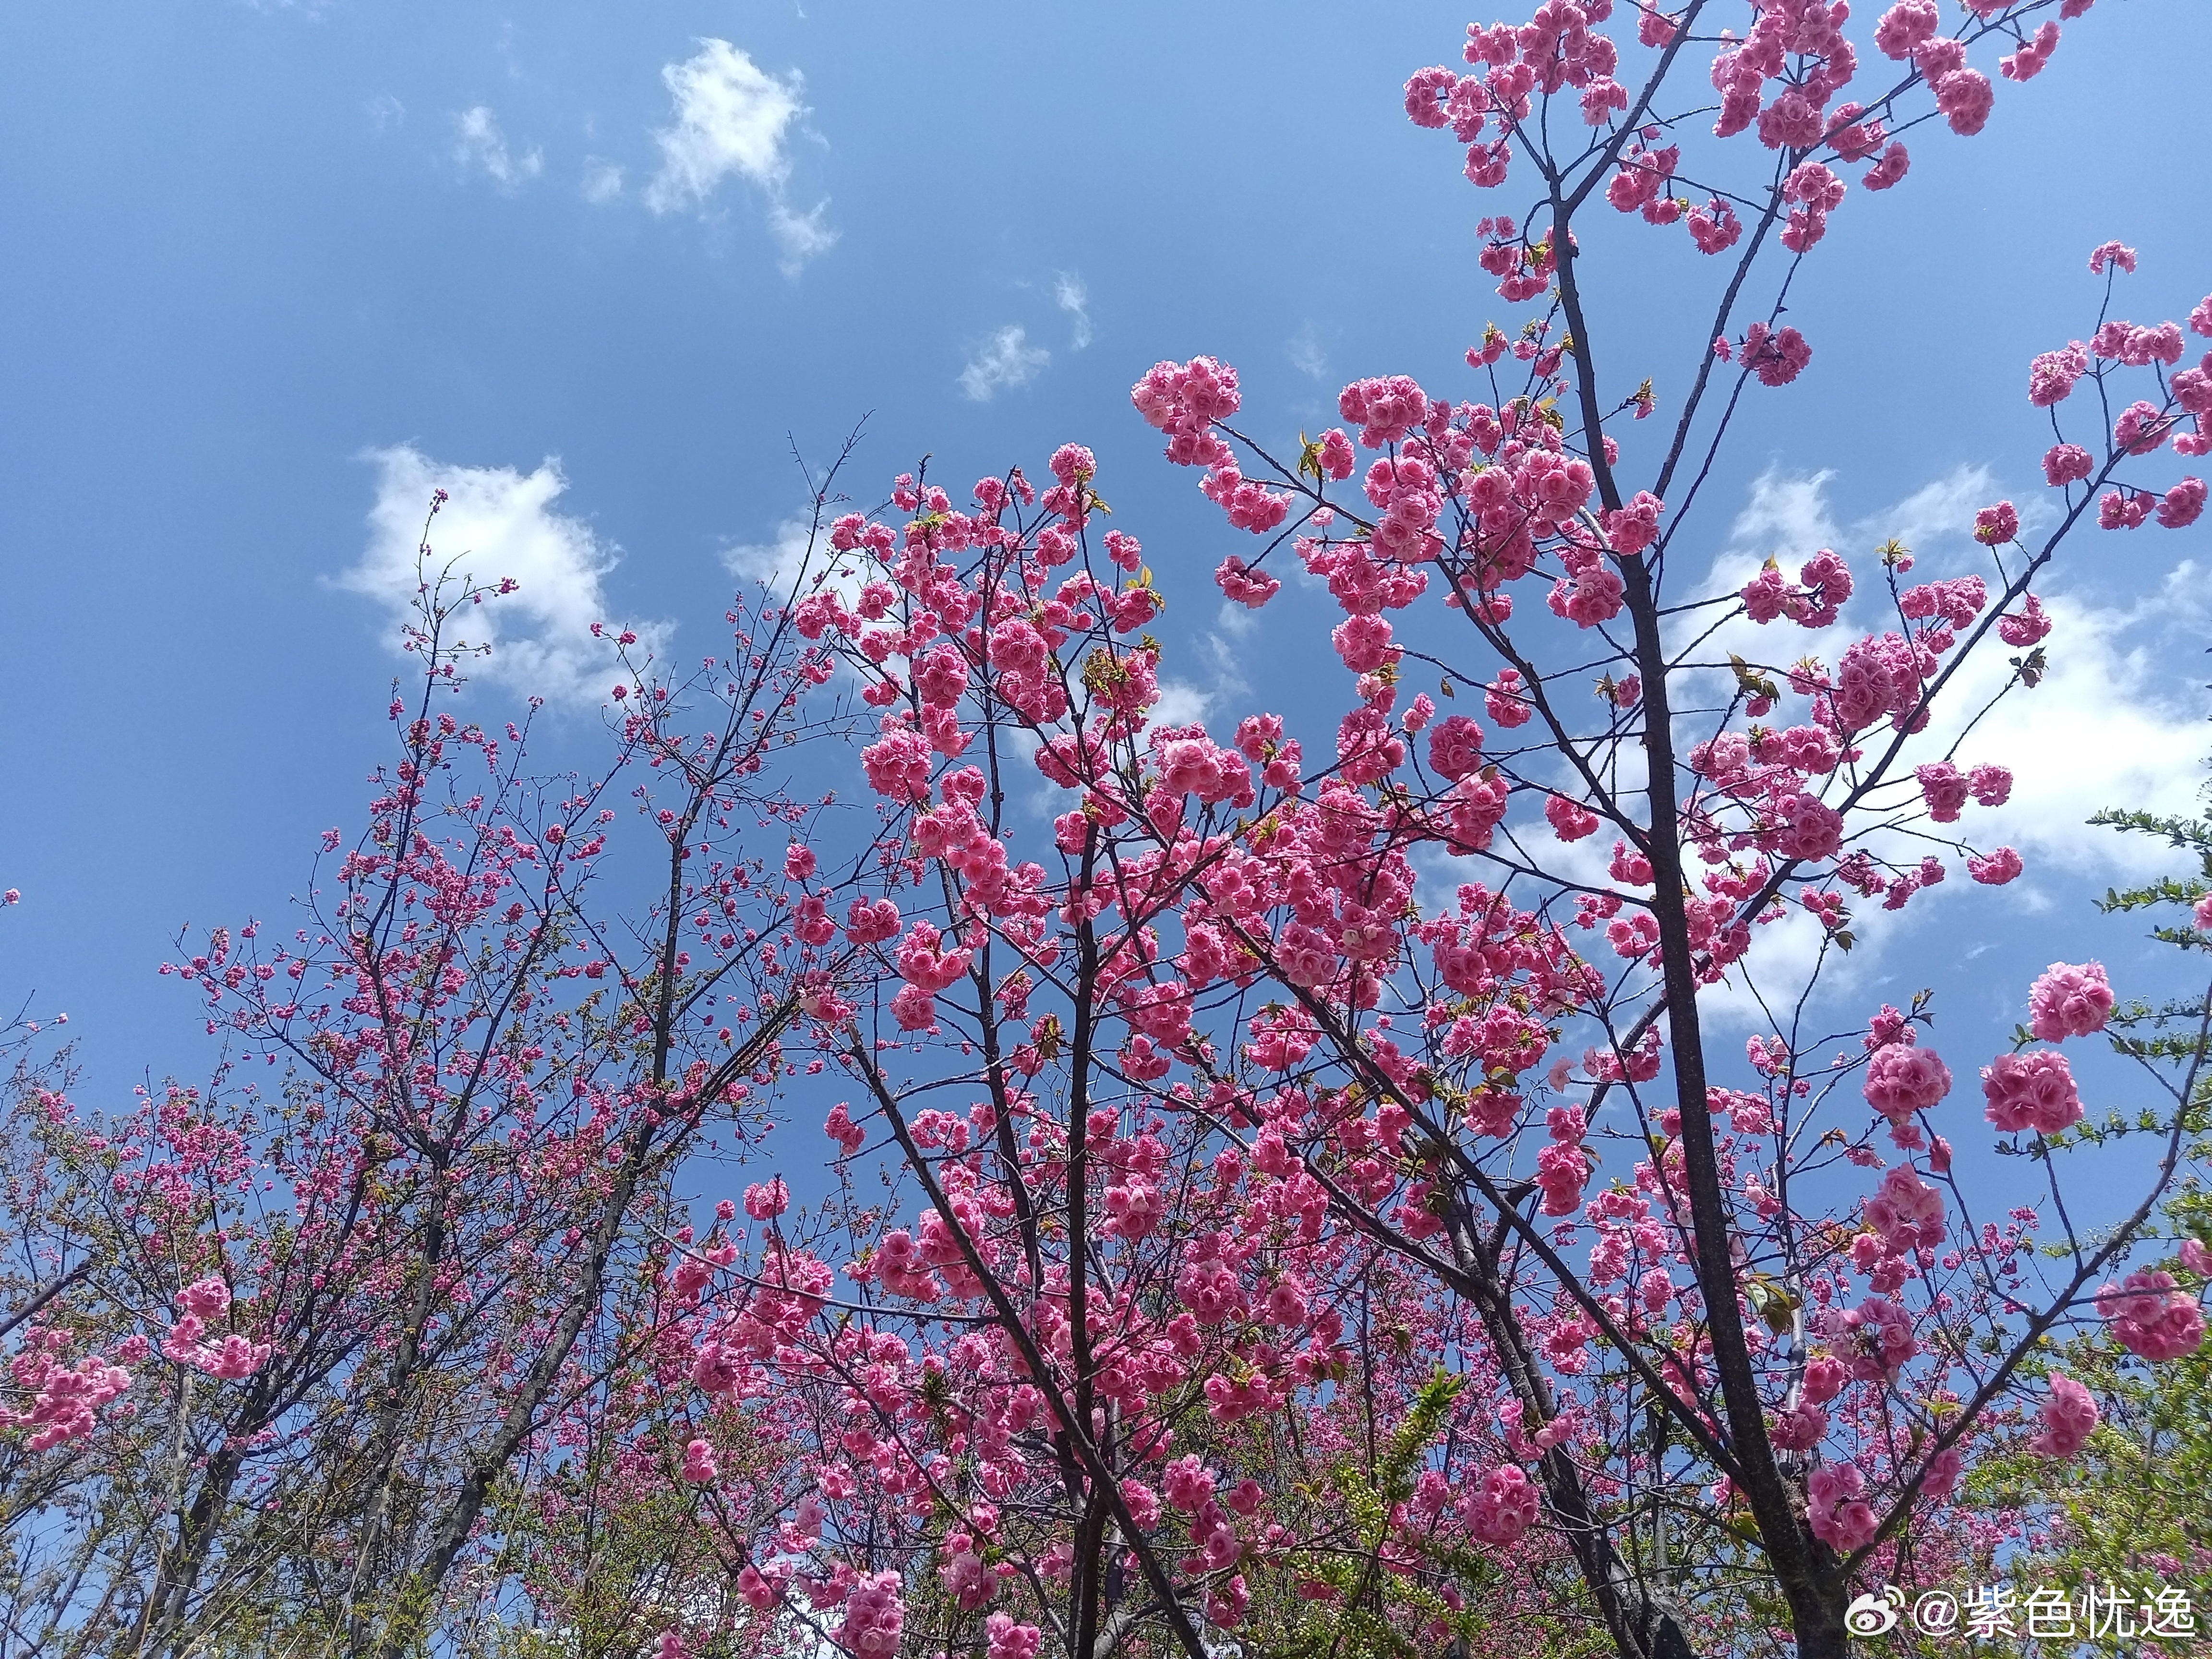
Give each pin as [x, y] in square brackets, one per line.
[269, 270]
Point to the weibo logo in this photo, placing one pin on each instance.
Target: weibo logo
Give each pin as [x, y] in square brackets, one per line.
[1873, 1614]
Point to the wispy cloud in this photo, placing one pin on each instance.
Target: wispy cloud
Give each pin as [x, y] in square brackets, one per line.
[384, 111]
[1007, 360]
[796, 555]
[1072, 297]
[733, 118]
[1303, 350]
[800, 235]
[798, 561]
[1786, 517]
[481, 147]
[497, 523]
[1941, 510]
[602, 182]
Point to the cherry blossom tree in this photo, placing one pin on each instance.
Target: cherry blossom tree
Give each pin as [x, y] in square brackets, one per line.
[1736, 1357]
[1285, 1187]
[1121, 1383]
[335, 1325]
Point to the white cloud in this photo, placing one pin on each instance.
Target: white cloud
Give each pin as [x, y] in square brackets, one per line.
[1938, 513]
[1938, 519]
[603, 181]
[2104, 727]
[1223, 648]
[1181, 703]
[1235, 622]
[1787, 516]
[1008, 360]
[385, 111]
[730, 118]
[733, 119]
[1072, 297]
[498, 523]
[2109, 725]
[1760, 991]
[1303, 350]
[797, 562]
[800, 235]
[481, 146]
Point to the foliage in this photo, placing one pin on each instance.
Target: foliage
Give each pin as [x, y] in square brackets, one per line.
[2129, 1514]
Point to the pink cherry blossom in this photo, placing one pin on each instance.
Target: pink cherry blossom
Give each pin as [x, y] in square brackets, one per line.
[2065, 464]
[873, 1616]
[2033, 1091]
[1779, 357]
[764, 1202]
[1995, 525]
[1506, 1507]
[2150, 1317]
[2070, 1001]
[1996, 868]
[1456, 746]
[2069, 1415]
[2117, 255]
[1906, 1211]
[1569, 822]
[1901, 1079]
[2025, 626]
[699, 1467]
[2182, 504]
[1838, 1515]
